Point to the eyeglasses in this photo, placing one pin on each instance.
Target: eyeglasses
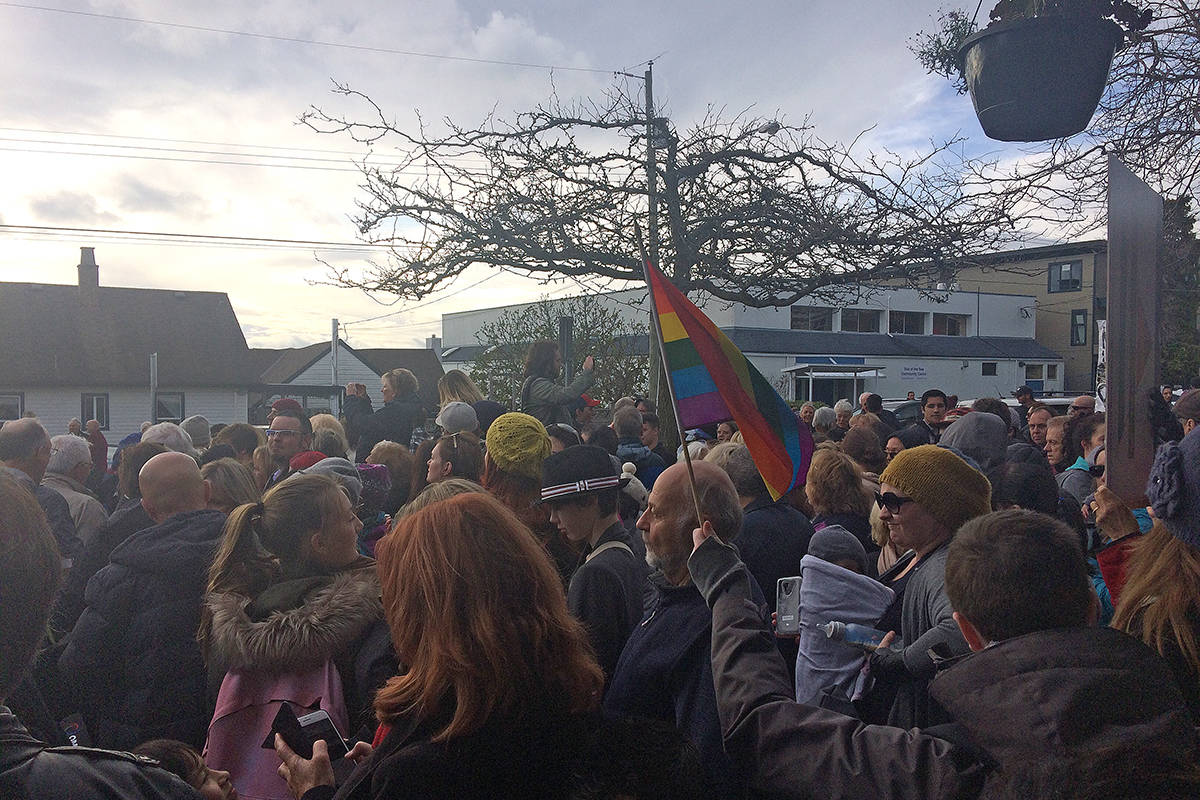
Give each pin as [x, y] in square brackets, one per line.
[1096, 470]
[891, 501]
[276, 432]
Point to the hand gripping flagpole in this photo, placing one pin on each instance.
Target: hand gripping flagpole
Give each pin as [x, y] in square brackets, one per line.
[662, 351]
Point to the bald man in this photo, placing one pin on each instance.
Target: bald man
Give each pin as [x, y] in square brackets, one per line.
[132, 660]
[665, 669]
[24, 453]
[1082, 406]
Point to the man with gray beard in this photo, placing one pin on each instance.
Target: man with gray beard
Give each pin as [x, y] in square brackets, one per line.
[665, 671]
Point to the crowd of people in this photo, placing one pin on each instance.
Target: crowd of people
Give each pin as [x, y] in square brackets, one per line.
[549, 601]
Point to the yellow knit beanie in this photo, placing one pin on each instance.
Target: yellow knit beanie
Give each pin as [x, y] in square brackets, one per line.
[950, 489]
[518, 443]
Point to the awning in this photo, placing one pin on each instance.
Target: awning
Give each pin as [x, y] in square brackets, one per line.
[836, 371]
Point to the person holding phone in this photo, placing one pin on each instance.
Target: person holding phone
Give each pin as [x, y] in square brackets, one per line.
[290, 595]
[541, 396]
[501, 695]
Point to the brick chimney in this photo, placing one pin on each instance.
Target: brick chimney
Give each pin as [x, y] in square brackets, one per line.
[89, 271]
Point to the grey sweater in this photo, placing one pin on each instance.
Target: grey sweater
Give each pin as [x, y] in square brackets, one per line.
[926, 620]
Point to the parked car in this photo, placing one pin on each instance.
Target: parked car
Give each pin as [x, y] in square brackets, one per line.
[907, 411]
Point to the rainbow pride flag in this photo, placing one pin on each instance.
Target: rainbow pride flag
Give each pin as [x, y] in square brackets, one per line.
[714, 382]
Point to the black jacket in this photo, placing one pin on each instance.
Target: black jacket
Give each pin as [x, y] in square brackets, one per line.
[392, 423]
[546, 753]
[132, 658]
[606, 594]
[95, 555]
[773, 538]
[32, 770]
[1035, 708]
[665, 673]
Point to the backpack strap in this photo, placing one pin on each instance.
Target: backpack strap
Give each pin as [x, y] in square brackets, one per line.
[607, 546]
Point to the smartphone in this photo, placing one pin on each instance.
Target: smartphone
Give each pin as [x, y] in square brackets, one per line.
[787, 606]
[300, 733]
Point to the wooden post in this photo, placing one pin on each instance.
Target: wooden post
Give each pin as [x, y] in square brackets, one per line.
[1134, 237]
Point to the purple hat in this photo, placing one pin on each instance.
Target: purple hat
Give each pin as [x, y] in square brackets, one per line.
[376, 483]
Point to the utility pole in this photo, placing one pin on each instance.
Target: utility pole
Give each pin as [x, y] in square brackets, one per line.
[651, 167]
[658, 389]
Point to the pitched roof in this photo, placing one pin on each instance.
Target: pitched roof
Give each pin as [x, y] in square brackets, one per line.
[288, 362]
[66, 335]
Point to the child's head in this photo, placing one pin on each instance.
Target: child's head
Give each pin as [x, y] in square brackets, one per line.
[180, 759]
[835, 544]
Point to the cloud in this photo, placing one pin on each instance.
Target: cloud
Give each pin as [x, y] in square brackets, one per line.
[134, 194]
[70, 208]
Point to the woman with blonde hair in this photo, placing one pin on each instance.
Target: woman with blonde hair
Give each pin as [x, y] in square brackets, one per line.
[261, 466]
[232, 484]
[1160, 600]
[457, 386]
[402, 412]
[289, 595]
[835, 488]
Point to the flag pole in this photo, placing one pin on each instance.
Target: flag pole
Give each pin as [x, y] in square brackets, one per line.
[662, 351]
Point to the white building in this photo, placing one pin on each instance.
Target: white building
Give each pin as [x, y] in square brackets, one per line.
[84, 351]
[890, 341]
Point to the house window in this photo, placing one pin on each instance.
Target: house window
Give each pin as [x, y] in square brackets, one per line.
[1079, 325]
[94, 406]
[906, 322]
[1033, 372]
[860, 320]
[989, 368]
[12, 405]
[950, 324]
[168, 406]
[812, 318]
[1052, 372]
[1066, 276]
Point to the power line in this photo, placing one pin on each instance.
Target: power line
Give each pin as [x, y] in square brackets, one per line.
[422, 305]
[179, 141]
[183, 160]
[351, 153]
[196, 237]
[298, 40]
[185, 150]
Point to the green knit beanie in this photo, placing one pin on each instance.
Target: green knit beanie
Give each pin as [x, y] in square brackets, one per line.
[518, 443]
[950, 489]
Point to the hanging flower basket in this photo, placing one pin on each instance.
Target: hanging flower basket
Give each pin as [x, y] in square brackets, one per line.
[1039, 78]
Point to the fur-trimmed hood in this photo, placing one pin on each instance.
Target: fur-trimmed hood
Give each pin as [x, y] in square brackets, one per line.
[329, 621]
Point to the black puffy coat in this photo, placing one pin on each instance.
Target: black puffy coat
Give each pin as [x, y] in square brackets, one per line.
[96, 553]
[132, 661]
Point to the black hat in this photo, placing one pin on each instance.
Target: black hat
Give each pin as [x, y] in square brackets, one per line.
[577, 471]
[1020, 390]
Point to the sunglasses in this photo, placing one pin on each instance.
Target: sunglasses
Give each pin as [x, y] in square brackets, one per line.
[1096, 470]
[272, 432]
[891, 501]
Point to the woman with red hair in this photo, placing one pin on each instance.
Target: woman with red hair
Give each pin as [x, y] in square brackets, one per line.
[502, 691]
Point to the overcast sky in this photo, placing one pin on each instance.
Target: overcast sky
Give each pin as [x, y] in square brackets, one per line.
[82, 86]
